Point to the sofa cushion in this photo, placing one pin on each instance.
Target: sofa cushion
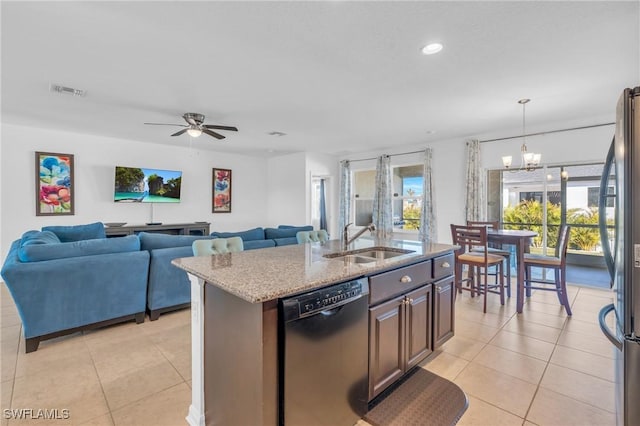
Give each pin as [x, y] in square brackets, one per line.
[300, 228]
[67, 234]
[152, 240]
[38, 237]
[248, 235]
[285, 241]
[258, 244]
[273, 233]
[51, 251]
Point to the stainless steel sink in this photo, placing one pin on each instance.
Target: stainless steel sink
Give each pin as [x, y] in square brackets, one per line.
[368, 255]
[352, 258]
[383, 254]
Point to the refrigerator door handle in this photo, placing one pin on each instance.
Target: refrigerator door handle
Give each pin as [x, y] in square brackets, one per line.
[602, 212]
[605, 328]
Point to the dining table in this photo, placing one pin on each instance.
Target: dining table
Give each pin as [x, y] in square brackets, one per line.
[520, 239]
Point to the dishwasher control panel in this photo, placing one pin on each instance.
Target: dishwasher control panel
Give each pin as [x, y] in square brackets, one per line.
[324, 299]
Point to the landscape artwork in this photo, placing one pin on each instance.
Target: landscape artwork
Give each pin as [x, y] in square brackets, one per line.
[140, 185]
[54, 184]
[221, 191]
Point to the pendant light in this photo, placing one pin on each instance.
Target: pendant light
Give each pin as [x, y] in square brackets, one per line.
[529, 160]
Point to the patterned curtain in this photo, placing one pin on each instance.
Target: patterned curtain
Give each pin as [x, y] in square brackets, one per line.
[382, 212]
[345, 196]
[428, 229]
[475, 203]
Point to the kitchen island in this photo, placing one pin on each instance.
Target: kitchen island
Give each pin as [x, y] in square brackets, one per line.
[235, 321]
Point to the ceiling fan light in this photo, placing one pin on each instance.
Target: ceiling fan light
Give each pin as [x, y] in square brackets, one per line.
[193, 132]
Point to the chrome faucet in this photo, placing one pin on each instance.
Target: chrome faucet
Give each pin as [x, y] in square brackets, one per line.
[345, 234]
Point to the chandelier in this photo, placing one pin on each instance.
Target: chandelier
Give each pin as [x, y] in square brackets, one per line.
[529, 160]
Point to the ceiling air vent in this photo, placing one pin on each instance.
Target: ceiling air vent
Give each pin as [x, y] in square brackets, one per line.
[56, 88]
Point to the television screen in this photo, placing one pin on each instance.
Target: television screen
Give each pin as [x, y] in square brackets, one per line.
[140, 185]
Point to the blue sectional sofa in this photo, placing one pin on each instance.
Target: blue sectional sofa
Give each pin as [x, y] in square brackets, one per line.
[169, 287]
[64, 280]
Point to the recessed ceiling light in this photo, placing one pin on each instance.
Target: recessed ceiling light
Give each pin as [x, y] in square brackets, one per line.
[432, 48]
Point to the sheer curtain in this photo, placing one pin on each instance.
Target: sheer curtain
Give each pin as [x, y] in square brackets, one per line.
[344, 213]
[382, 212]
[475, 202]
[428, 228]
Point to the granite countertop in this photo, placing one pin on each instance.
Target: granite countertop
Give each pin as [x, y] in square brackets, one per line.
[266, 274]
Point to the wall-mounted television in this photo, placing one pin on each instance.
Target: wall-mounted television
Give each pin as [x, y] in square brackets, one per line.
[140, 185]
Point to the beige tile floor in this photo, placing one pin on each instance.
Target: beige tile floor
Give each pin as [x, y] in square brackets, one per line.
[536, 368]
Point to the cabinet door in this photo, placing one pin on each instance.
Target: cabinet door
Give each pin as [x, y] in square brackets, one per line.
[386, 344]
[443, 311]
[418, 306]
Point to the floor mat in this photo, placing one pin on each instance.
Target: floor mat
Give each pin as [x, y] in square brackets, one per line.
[422, 399]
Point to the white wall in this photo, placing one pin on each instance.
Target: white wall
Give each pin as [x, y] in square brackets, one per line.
[95, 160]
[577, 146]
[287, 187]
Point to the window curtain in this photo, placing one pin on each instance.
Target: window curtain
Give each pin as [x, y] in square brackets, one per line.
[428, 229]
[382, 212]
[323, 207]
[345, 196]
[475, 201]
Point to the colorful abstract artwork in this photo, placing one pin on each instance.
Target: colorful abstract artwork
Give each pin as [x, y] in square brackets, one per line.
[54, 184]
[221, 191]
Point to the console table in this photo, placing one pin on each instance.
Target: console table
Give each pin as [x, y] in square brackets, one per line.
[193, 228]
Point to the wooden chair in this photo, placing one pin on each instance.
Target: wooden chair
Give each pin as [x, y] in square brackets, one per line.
[470, 239]
[558, 263]
[497, 250]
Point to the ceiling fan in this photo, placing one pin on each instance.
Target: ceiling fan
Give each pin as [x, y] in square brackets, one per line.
[195, 127]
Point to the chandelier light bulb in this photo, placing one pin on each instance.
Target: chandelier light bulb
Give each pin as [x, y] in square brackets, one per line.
[506, 161]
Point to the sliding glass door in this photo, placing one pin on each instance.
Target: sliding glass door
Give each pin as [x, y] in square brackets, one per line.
[543, 199]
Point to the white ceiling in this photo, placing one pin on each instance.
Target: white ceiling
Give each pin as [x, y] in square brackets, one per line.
[335, 76]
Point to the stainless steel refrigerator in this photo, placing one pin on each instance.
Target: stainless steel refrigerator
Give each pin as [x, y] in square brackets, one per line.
[622, 254]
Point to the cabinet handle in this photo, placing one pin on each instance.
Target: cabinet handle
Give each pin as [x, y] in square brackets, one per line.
[446, 265]
[405, 279]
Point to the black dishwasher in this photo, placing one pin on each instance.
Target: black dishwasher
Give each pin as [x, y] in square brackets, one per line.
[324, 355]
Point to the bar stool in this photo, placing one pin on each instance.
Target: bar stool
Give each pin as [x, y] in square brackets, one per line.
[479, 261]
[497, 250]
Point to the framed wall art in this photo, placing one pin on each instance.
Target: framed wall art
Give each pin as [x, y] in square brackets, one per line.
[221, 200]
[54, 184]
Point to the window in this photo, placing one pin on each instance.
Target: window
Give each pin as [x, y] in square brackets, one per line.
[520, 199]
[407, 197]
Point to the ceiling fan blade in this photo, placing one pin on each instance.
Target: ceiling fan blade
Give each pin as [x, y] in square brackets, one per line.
[213, 126]
[179, 132]
[166, 124]
[214, 134]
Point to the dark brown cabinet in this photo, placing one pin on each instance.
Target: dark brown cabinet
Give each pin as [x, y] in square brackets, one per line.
[399, 337]
[443, 311]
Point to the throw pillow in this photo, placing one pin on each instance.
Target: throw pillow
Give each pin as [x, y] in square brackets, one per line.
[67, 234]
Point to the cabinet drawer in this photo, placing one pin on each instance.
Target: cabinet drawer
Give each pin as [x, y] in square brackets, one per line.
[389, 284]
[443, 266]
